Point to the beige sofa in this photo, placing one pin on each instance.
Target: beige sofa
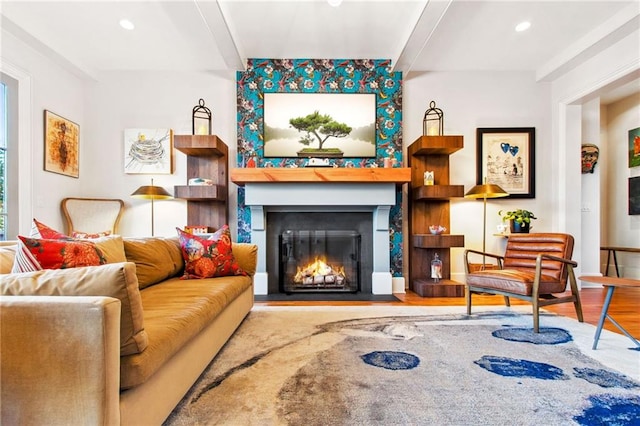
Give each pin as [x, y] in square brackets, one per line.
[114, 344]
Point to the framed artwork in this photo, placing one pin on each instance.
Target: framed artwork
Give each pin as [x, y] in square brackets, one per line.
[634, 147]
[506, 157]
[325, 125]
[61, 145]
[148, 151]
[634, 195]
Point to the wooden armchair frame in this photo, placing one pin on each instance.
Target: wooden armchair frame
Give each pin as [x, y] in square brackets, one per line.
[522, 275]
[98, 214]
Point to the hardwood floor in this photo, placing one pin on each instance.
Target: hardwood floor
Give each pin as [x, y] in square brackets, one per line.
[624, 308]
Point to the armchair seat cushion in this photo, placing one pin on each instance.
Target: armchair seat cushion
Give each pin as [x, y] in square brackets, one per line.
[516, 281]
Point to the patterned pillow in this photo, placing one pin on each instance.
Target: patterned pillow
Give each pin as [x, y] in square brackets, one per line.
[89, 235]
[61, 254]
[208, 257]
[40, 230]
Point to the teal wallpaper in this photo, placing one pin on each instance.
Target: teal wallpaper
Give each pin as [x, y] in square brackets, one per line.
[320, 76]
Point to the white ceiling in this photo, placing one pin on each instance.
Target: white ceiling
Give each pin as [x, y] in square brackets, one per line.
[417, 36]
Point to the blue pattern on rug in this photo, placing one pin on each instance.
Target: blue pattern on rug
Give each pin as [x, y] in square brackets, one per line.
[391, 360]
[604, 378]
[546, 336]
[510, 367]
[608, 410]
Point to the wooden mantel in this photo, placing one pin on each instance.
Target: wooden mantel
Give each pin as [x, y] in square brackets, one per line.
[398, 175]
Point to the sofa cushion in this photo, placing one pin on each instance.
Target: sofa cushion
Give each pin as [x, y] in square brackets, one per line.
[114, 280]
[7, 256]
[62, 254]
[175, 312]
[208, 257]
[156, 258]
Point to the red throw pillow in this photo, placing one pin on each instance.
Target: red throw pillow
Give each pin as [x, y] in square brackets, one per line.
[61, 254]
[40, 230]
[208, 257]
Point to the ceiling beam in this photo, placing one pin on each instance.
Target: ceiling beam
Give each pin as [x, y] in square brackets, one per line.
[75, 67]
[599, 39]
[419, 35]
[219, 29]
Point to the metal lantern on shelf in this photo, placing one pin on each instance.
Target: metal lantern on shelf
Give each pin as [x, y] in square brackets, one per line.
[433, 122]
[201, 119]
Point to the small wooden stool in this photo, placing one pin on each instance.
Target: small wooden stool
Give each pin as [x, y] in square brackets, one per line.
[611, 283]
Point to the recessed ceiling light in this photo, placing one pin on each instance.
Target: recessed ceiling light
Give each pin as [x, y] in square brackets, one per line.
[127, 24]
[523, 26]
[334, 3]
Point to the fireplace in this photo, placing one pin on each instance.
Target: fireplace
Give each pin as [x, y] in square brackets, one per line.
[350, 199]
[314, 261]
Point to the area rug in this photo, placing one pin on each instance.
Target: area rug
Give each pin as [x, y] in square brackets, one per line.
[415, 366]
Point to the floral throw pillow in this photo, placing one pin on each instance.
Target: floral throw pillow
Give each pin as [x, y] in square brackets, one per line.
[61, 254]
[208, 257]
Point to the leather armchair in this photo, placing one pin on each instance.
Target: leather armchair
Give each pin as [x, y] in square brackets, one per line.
[533, 267]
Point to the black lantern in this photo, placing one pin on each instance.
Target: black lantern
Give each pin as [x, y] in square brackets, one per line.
[201, 119]
[433, 121]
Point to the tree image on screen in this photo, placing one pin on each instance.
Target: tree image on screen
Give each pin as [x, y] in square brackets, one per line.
[318, 128]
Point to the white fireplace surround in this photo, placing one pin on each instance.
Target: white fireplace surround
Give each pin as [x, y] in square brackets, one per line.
[376, 197]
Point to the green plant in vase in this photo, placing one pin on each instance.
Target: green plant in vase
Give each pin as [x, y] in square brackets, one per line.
[519, 220]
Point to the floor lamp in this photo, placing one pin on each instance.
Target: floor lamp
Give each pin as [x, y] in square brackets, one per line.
[484, 191]
[151, 193]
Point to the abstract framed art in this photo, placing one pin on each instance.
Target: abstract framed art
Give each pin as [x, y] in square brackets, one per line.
[61, 145]
[634, 147]
[506, 157]
[148, 151]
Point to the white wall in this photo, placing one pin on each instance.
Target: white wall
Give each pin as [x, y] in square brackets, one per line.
[54, 89]
[483, 99]
[619, 228]
[590, 189]
[122, 100]
[618, 64]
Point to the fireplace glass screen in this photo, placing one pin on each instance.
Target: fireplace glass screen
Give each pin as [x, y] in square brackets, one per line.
[319, 261]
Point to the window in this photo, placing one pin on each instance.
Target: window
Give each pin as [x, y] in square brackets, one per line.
[8, 157]
[3, 161]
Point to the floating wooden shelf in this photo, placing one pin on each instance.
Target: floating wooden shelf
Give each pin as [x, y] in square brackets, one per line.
[398, 175]
[200, 145]
[207, 157]
[438, 192]
[443, 288]
[201, 192]
[436, 145]
[429, 205]
[437, 241]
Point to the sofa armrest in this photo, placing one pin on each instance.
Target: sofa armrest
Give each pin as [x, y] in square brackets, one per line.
[247, 256]
[60, 360]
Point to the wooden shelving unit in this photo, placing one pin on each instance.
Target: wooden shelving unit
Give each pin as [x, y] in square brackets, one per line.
[429, 205]
[207, 157]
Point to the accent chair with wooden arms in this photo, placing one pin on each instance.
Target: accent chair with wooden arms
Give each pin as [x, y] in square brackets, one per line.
[91, 215]
[533, 268]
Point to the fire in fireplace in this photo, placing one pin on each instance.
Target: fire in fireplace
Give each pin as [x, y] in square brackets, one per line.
[319, 261]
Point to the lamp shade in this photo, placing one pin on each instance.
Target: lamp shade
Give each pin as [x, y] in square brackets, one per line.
[486, 190]
[151, 192]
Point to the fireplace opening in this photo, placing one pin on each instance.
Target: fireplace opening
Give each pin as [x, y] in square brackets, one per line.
[319, 261]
